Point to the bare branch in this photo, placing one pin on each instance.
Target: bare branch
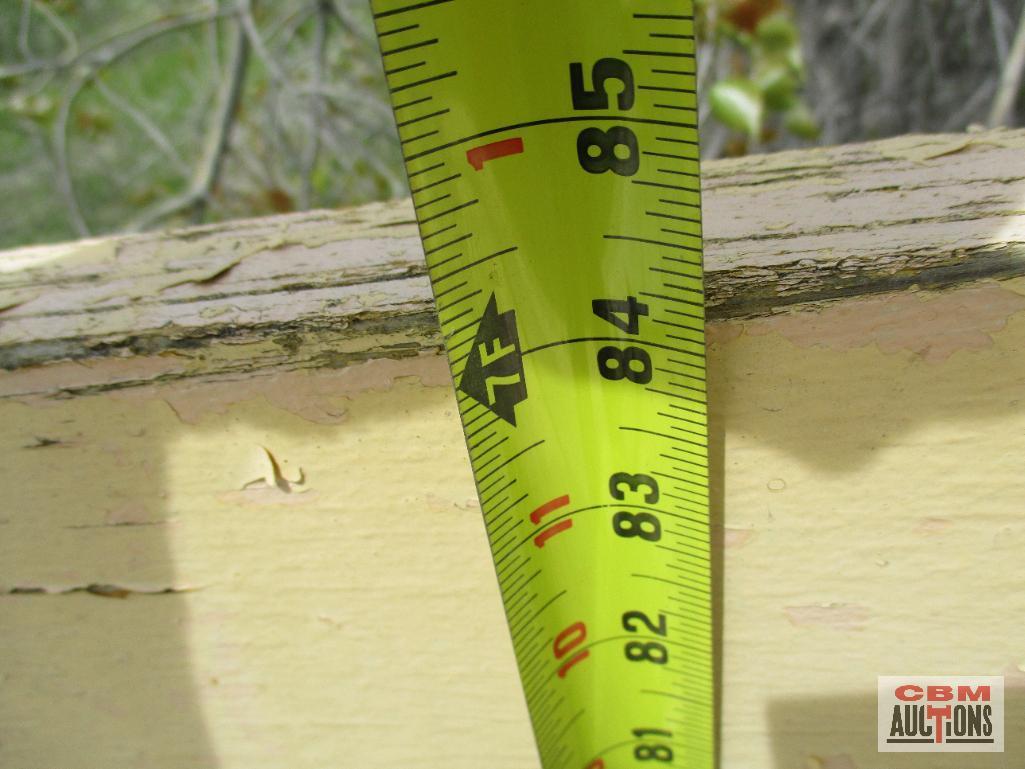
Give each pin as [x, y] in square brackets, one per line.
[999, 40]
[65, 186]
[213, 40]
[88, 64]
[1010, 79]
[257, 42]
[973, 106]
[352, 26]
[70, 43]
[312, 149]
[24, 30]
[228, 102]
[868, 22]
[208, 171]
[356, 102]
[61, 28]
[283, 32]
[148, 127]
[110, 49]
[396, 183]
[281, 86]
[253, 166]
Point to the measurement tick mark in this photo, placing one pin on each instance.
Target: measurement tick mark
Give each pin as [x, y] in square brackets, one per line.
[665, 16]
[478, 156]
[671, 54]
[414, 7]
[425, 81]
[410, 47]
[407, 28]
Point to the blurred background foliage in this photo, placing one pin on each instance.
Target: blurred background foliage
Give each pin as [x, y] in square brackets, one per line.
[128, 115]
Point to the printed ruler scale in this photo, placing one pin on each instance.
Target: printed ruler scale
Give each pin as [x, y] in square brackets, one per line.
[552, 153]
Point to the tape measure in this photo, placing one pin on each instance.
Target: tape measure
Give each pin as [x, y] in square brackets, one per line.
[552, 152]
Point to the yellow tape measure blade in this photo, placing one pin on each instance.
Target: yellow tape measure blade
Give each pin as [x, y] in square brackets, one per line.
[552, 153]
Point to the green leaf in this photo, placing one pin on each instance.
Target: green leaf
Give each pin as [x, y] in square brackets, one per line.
[795, 59]
[800, 121]
[778, 86]
[737, 103]
[777, 33]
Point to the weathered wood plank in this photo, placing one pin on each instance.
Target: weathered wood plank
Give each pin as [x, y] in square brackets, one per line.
[781, 230]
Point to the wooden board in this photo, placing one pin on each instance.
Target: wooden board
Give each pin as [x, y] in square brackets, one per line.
[207, 432]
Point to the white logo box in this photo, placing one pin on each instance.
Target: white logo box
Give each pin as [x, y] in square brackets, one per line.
[941, 714]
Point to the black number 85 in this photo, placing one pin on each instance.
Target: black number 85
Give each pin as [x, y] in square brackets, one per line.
[596, 150]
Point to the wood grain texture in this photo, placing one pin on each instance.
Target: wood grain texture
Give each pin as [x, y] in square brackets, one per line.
[781, 229]
[239, 528]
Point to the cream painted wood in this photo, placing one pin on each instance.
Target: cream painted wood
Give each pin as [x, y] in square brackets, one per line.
[238, 527]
